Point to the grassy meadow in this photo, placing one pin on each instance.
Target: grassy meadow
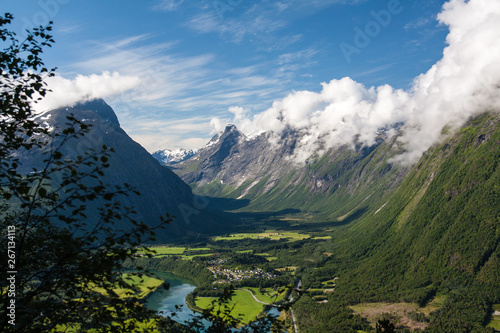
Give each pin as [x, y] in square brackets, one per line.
[245, 306]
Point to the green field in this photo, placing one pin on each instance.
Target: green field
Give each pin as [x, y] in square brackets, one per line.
[315, 289]
[328, 283]
[269, 295]
[162, 251]
[436, 304]
[495, 320]
[267, 256]
[245, 251]
[145, 284]
[197, 255]
[272, 235]
[166, 250]
[199, 249]
[290, 269]
[246, 308]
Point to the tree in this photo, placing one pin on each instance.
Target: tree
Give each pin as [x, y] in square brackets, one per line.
[64, 262]
[57, 258]
[385, 325]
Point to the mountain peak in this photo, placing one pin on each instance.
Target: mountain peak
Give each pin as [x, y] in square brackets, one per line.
[232, 131]
[100, 107]
[231, 127]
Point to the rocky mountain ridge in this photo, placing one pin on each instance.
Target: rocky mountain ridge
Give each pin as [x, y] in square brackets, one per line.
[264, 171]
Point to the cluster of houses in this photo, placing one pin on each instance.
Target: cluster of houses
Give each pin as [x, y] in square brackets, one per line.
[224, 275]
[217, 261]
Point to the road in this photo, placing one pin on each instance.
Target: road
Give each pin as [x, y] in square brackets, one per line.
[298, 286]
[294, 322]
[255, 298]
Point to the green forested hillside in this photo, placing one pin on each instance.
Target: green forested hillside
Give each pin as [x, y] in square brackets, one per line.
[439, 232]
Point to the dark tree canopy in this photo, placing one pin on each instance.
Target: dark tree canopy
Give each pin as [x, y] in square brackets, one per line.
[55, 271]
[64, 263]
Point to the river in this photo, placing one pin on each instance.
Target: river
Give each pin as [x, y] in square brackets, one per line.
[166, 300]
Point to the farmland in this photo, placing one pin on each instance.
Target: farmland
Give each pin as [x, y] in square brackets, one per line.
[144, 285]
[408, 314]
[245, 307]
[269, 295]
[271, 235]
[187, 253]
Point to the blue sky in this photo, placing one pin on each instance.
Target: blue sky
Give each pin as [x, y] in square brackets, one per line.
[195, 59]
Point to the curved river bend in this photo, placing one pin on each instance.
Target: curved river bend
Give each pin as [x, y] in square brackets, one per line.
[166, 300]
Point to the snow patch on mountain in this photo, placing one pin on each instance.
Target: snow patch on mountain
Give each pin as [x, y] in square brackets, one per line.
[168, 157]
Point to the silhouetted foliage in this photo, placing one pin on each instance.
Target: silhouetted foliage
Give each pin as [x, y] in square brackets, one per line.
[65, 262]
[60, 257]
[385, 326]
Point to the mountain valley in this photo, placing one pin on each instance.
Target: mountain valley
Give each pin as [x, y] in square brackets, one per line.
[339, 169]
[392, 232]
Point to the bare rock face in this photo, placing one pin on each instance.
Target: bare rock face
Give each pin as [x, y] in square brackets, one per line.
[263, 169]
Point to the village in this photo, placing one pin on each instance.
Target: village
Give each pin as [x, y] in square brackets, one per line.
[225, 275]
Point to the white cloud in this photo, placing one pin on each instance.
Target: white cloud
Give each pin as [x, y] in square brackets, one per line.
[418, 23]
[465, 82]
[176, 82]
[193, 143]
[168, 5]
[237, 20]
[154, 134]
[66, 92]
[253, 23]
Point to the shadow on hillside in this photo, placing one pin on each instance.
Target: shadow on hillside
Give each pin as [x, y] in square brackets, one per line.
[213, 222]
[225, 204]
[268, 215]
[254, 221]
[220, 215]
[335, 224]
[284, 223]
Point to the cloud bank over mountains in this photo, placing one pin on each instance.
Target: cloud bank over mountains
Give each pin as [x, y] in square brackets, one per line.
[65, 92]
[464, 83]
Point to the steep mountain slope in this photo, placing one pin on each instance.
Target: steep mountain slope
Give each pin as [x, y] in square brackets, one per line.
[439, 232]
[162, 191]
[445, 216]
